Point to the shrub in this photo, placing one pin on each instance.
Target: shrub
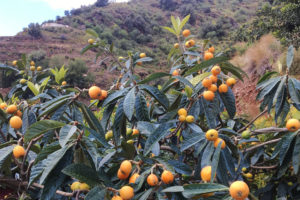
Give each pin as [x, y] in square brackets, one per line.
[34, 30]
[77, 74]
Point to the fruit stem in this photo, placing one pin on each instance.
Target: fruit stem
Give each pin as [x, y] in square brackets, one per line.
[113, 190]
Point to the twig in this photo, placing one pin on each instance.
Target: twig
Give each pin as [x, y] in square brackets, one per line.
[262, 144]
[167, 148]
[251, 122]
[264, 167]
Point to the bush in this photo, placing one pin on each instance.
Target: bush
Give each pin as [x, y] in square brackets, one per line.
[101, 3]
[34, 30]
[77, 74]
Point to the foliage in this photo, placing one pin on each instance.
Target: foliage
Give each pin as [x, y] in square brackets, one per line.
[101, 3]
[66, 141]
[34, 30]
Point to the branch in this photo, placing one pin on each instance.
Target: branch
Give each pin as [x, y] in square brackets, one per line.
[264, 167]
[262, 144]
[167, 148]
[251, 122]
[268, 130]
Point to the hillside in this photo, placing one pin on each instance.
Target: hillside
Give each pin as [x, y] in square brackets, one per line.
[130, 26]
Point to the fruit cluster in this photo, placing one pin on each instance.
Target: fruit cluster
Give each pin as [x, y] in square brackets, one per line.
[15, 121]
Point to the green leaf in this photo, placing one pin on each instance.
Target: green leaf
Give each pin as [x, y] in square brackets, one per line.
[285, 146]
[181, 167]
[196, 189]
[215, 162]
[296, 155]
[46, 150]
[44, 84]
[141, 109]
[153, 77]
[40, 128]
[290, 56]
[266, 76]
[156, 93]
[197, 79]
[92, 32]
[295, 96]
[228, 99]
[36, 172]
[91, 150]
[228, 67]
[32, 88]
[119, 126]
[184, 81]
[96, 193]
[129, 101]
[4, 153]
[83, 173]
[173, 189]
[88, 47]
[184, 21]
[51, 162]
[66, 133]
[191, 141]
[160, 132]
[169, 29]
[115, 96]
[146, 194]
[175, 25]
[206, 64]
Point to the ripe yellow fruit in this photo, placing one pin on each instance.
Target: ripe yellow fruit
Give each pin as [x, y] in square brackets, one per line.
[121, 175]
[95, 92]
[175, 72]
[181, 118]
[167, 177]
[39, 68]
[211, 49]
[22, 81]
[135, 131]
[130, 141]
[213, 78]
[293, 125]
[187, 44]
[11, 109]
[103, 95]
[217, 141]
[186, 32]
[32, 68]
[244, 169]
[208, 55]
[190, 119]
[133, 178]
[192, 43]
[212, 135]
[142, 55]
[75, 186]
[248, 175]
[206, 173]
[176, 45]
[152, 180]
[18, 151]
[230, 81]
[213, 88]
[126, 167]
[128, 131]
[32, 63]
[15, 122]
[223, 88]
[64, 83]
[239, 190]
[14, 63]
[109, 135]
[84, 187]
[19, 113]
[206, 82]
[208, 95]
[91, 41]
[116, 197]
[3, 106]
[182, 111]
[121, 58]
[216, 70]
[126, 192]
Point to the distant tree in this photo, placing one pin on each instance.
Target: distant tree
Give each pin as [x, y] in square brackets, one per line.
[77, 74]
[34, 30]
[67, 13]
[168, 4]
[101, 3]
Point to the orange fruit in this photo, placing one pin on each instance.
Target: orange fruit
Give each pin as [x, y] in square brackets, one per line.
[126, 192]
[211, 135]
[216, 70]
[213, 88]
[75, 186]
[182, 111]
[126, 167]
[103, 95]
[133, 178]
[213, 78]
[15, 122]
[32, 68]
[187, 44]
[208, 55]
[190, 43]
[206, 173]
[239, 190]
[217, 141]
[32, 63]
[121, 175]
[190, 119]
[186, 32]
[167, 177]
[181, 118]
[175, 72]
[84, 187]
[152, 180]
[211, 49]
[95, 92]
[11, 109]
[3, 106]
[230, 81]
[19, 113]
[139, 63]
[135, 131]
[293, 125]
[91, 41]
[176, 45]
[142, 55]
[116, 197]
[223, 88]
[206, 82]
[208, 95]
[18, 151]
[39, 68]
[22, 81]
[64, 83]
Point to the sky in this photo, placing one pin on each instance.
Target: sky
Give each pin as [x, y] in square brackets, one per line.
[17, 14]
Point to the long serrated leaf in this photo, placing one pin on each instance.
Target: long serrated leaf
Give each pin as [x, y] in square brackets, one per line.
[32, 88]
[129, 101]
[184, 21]
[285, 146]
[115, 96]
[196, 189]
[290, 56]
[157, 94]
[169, 29]
[228, 99]
[119, 126]
[66, 133]
[173, 189]
[92, 32]
[96, 193]
[181, 167]
[191, 142]
[206, 64]
[296, 155]
[215, 162]
[4, 153]
[266, 76]
[153, 76]
[141, 108]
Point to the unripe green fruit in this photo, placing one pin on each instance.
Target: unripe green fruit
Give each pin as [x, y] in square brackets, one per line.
[128, 131]
[246, 134]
